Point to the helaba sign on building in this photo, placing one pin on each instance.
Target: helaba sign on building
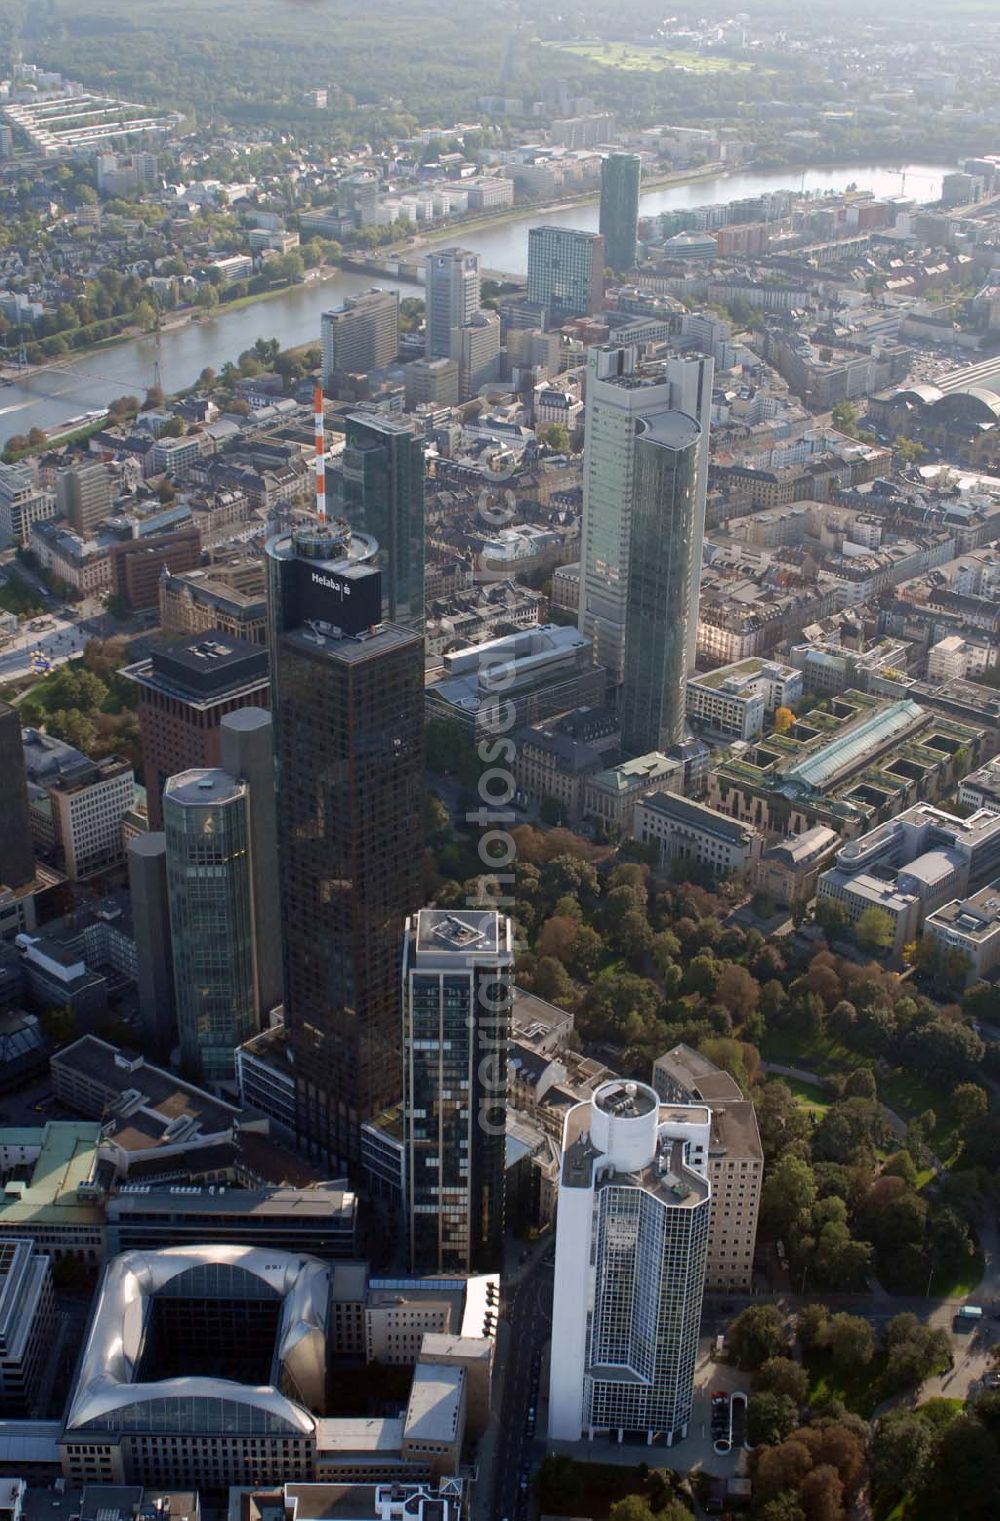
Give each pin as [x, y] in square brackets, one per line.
[352, 599]
[335, 584]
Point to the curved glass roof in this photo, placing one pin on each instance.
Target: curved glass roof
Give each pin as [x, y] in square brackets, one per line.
[106, 1394]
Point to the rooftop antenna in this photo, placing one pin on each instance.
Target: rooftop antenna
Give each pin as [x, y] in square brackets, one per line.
[320, 455]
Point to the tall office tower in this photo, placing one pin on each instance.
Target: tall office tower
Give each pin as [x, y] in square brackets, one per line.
[206, 816]
[348, 704]
[360, 335]
[150, 903]
[475, 347]
[248, 755]
[619, 219]
[451, 296]
[664, 569]
[17, 849]
[631, 1248]
[457, 997]
[565, 272]
[620, 395]
[185, 691]
[382, 471]
[84, 495]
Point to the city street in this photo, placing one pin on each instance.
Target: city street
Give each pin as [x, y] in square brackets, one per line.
[56, 643]
[517, 1452]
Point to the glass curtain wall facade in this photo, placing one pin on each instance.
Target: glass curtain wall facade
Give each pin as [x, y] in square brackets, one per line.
[647, 1311]
[349, 762]
[209, 887]
[663, 574]
[457, 996]
[383, 485]
[619, 217]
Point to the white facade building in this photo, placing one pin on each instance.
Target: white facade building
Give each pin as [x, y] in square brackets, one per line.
[631, 1250]
[690, 831]
[732, 702]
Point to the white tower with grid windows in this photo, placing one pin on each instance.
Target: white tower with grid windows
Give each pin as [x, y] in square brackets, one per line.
[631, 1252]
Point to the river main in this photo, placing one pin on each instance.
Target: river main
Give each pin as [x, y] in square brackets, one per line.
[55, 394]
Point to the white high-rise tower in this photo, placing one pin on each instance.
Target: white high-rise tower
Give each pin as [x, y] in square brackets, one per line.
[631, 1250]
[451, 297]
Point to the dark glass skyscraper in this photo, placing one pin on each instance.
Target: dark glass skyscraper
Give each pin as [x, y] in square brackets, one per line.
[457, 991]
[664, 566]
[348, 706]
[17, 851]
[383, 489]
[619, 221]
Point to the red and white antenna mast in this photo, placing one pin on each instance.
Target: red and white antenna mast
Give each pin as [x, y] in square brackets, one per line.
[320, 455]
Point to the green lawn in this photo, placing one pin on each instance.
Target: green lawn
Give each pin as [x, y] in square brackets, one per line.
[815, 1101]
[911, 1095]
[817, 1053]
[963, 1283]
[860, 1387]
[647, 60]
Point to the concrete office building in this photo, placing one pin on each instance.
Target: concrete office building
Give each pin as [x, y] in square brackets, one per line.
[360, 335]
[625, 455]
[475, 347]
[913, 865]
[21, 504]
[185, 691]
[85, 496]
[431, 383]
[138, 564]
[347, 698]
[619, 215]
[17, 849]
[457, 995]
[565, 272]
[383, 490]
[212, 918]
[451, 296]
[147, 880]
[631, 1249]
[27, 1325]
[545, 670]
[87, 810]
[735, 1162]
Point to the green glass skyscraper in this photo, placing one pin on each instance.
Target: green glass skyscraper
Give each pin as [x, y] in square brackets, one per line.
[663, 574]
[619, 222]
[209, 885]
